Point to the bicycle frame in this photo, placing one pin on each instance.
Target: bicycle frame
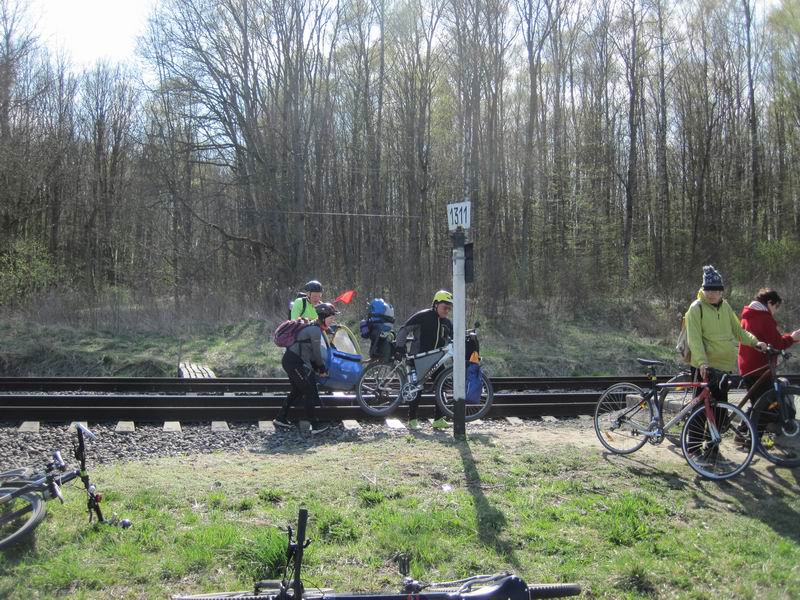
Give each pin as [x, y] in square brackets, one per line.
[652, 396]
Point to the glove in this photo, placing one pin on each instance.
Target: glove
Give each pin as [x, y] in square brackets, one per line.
[399, 353]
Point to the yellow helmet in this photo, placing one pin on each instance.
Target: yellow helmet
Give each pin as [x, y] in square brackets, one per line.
[442, 296]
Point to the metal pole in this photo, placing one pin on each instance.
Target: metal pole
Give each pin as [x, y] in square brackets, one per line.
[459, 333]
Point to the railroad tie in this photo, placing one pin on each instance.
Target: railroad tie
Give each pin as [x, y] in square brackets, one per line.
[514, 420]
[549, 419]
[351, 425]
[394, 424]
[29, 427]
[195, 371]
[174, 426]
[125, 427]
[220, 426]
[74, 425]
[266, 426]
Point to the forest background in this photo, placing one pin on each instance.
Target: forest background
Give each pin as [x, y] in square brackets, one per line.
[610, 148]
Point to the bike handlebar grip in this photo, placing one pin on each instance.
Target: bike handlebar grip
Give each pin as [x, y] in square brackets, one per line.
[85, 431]
[302, 519]
[553, 590]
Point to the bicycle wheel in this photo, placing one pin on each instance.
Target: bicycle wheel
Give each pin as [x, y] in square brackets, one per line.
[724, 458]
[443, 390]
[378, 388]
[779, 443]
[620, 420]
[18, 516]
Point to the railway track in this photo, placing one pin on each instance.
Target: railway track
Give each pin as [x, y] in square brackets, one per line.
[232, 399]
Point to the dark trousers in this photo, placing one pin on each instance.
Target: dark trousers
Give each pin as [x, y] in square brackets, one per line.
[304, 385]
[695, 438]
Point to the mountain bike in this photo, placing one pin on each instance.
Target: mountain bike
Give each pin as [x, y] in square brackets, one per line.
[384, 385]
[717, 438]
[774, 414]
[23, 493]
[500, 586]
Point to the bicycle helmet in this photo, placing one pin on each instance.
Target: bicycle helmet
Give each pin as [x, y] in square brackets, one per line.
[442, 296]
[313, 286]
[325, 310]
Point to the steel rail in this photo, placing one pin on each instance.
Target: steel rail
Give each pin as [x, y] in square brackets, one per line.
[158, 399]
[273, 384]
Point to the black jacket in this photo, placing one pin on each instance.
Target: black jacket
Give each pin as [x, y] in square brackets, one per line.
[429, 331]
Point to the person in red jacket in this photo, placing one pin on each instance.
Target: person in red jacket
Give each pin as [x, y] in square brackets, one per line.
[758, 318]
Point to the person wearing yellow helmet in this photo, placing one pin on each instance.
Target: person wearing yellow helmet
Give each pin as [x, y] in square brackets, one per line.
[432, 329]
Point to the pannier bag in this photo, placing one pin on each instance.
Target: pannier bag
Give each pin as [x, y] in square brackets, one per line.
[474, 384]
[286, 333]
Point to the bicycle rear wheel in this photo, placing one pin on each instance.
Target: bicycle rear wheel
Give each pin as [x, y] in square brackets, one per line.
[18, 516]
[731, 454]
[378, 388]
[778, 442]
[445, 398]
[622, 414]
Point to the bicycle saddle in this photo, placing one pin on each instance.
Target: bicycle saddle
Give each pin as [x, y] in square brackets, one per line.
[646, 362]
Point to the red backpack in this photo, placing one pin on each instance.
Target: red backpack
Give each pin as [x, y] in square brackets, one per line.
[286, 333]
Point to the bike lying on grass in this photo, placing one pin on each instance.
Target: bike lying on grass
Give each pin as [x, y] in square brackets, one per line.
[383, 386]
[500, 586]
[717, 439]
[23, 493]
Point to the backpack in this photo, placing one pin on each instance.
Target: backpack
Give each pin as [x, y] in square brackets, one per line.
[380, 316]
[682, 347]
[286, 333]
[291, 304]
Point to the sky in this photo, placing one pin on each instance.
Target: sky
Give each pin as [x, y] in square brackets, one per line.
[90, 30]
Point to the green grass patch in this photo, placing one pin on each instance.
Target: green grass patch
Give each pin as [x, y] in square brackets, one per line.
[622, 528]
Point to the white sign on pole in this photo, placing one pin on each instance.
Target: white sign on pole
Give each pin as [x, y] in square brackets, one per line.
[459, 215]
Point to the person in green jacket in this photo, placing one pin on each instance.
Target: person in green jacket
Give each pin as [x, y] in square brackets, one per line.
[303, 305]
[713, 330]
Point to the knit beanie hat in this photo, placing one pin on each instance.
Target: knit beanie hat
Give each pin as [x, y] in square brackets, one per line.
[712, 280]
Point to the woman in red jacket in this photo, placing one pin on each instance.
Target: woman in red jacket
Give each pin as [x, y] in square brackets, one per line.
[758, 318]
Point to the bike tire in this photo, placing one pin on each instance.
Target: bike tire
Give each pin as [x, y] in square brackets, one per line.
[554, 590]
[378, 390]
[772, 441]
[731, 455]
[20, 516]
[617, 424]
[443, 391]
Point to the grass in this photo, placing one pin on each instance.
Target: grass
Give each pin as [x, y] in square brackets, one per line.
[622, 527]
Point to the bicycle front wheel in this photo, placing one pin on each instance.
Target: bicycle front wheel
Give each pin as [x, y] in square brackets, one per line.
[723, 458]
[18, 516]
[445, 398]
[622, 416]
[379, 388]
[777, 439]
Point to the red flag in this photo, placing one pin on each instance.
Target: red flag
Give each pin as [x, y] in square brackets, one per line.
[346, 297]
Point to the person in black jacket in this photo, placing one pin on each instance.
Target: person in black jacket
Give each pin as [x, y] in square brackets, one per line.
[432, 328]
[303, 363]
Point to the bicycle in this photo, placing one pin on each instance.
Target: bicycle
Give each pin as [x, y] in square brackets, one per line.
[500, 586]
[384, 385]
[774, 414]
[23, 493]
[717, 439]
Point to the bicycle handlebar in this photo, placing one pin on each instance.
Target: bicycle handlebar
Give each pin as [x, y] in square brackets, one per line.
[553, 590]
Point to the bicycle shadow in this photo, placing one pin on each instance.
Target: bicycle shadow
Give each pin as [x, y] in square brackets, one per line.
[491, 521]
[759, 495]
